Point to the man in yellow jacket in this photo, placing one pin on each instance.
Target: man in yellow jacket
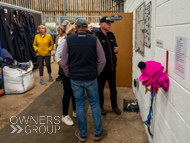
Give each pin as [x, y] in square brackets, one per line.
[43, 45]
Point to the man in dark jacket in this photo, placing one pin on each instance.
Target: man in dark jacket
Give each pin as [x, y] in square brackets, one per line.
[83, 59]
[109, 44]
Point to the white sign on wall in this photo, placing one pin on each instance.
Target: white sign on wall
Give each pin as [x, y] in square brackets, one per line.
[180, 56]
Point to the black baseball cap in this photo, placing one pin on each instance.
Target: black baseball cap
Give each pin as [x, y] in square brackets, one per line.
[106, 20]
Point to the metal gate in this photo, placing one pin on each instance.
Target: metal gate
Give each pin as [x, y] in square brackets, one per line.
[52, 22]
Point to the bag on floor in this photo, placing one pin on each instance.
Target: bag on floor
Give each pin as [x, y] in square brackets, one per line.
[18, 80]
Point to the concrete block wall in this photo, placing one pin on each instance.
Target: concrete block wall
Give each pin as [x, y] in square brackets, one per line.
[171, 118]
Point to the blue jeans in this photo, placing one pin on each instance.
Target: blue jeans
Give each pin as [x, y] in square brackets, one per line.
[93, 97]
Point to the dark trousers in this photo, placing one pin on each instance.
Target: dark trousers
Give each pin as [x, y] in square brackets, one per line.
[41, 64]
[68, 93]
[110, 76]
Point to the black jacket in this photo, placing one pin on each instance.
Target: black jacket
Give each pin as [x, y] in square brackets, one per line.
[108, 43]
[87, 31]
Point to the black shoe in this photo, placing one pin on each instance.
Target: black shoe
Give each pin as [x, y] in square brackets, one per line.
[103, 112]
[117, 111]
[58, 78]
[100, 136]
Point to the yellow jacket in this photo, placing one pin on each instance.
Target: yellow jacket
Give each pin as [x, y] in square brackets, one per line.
[43, 46]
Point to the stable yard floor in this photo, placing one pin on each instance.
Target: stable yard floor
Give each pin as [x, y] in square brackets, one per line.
[43, 107]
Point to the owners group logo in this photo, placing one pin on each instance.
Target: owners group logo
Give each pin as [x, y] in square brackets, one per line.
[37, 125]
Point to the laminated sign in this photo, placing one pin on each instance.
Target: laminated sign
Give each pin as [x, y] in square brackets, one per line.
[180, 56]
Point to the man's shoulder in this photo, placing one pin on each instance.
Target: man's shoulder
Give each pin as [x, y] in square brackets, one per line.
[91, 36]
[98, 32]
[110, 33]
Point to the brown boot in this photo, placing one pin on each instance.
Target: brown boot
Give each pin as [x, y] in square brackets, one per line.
[82, 139]
[100, 136]
[117, 111]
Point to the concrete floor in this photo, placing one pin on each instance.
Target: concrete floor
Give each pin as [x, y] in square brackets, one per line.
[12, 105]
[46, 101]
[124, 128]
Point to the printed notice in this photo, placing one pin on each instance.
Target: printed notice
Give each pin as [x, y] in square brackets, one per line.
[180, 56]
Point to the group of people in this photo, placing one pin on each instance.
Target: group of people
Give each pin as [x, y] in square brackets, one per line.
[86, 61]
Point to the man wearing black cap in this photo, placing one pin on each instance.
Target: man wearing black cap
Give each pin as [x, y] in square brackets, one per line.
[83, 59]
[109, 44]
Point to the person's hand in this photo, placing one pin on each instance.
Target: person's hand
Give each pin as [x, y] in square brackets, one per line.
[116, 50]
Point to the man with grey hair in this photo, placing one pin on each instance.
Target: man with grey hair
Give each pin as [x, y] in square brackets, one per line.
[83, 59]
[109, 44]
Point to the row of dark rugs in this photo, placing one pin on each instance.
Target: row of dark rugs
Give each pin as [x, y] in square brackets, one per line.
[17, 38]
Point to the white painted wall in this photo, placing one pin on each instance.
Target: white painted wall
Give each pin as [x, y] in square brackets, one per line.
[171, 119]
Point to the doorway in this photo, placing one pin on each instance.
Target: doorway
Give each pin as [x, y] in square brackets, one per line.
[122, 30]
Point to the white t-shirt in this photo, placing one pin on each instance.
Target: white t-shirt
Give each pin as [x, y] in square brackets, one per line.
[60, 38]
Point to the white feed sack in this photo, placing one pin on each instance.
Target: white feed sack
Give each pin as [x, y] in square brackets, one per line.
[18, 80]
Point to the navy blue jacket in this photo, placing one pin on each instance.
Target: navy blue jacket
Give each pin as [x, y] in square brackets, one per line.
[82, 56]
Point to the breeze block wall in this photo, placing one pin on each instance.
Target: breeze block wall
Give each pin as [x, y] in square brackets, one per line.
[171, 111]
